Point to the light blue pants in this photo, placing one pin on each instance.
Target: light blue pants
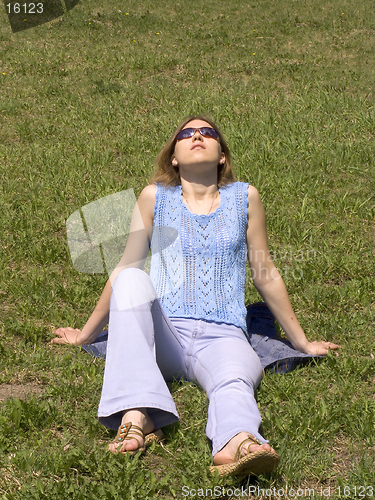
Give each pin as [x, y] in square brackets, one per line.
[146, 348]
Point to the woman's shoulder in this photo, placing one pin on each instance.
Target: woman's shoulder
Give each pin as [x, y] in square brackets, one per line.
[255, 204]
[251, 191]
[149, 191]
[146, 200]
[249, 194]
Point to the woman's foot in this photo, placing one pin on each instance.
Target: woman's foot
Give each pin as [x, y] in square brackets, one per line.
[230, 453]
[141, 426]
[245, 455]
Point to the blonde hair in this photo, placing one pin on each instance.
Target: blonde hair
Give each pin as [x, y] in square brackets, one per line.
[168, 175]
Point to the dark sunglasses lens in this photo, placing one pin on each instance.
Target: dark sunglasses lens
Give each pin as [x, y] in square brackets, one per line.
[209, 132]
[184, 134]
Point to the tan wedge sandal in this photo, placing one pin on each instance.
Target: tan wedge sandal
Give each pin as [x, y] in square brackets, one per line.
[252, 464]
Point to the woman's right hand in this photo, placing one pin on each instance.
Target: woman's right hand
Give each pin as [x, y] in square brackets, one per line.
[67, 336]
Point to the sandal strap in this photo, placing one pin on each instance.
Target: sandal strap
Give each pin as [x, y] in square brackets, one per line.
[250, 437]
[126, 432]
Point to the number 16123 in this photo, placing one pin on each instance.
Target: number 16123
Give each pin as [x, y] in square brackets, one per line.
[25, 8]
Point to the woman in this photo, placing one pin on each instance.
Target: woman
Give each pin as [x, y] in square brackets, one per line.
[188, 318]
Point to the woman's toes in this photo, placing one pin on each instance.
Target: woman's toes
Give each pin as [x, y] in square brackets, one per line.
[132, 445]
[115, 448]
[128, 445]
[256, 447]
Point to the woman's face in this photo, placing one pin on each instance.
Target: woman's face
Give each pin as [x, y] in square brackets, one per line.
[197, 149]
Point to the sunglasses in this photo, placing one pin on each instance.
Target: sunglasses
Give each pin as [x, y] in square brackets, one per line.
[204, 131]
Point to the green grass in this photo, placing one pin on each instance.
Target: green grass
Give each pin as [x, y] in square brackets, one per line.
[86, 103]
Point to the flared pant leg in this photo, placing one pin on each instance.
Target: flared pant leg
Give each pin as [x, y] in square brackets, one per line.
[223, 363]
[139, 337]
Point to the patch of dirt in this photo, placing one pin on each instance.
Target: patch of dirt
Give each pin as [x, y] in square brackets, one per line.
[8, 480]
[347, 454]
[20, 391]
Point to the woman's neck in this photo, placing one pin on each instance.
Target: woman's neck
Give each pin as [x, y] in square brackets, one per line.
[199, 192]
[200, 199]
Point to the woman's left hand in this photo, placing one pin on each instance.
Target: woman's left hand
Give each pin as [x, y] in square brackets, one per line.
[319, 348]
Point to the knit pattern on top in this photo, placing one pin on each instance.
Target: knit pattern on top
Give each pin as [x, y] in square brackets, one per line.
[198, 262]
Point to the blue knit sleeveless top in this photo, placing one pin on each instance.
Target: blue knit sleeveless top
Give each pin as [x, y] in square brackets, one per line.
[198, 262]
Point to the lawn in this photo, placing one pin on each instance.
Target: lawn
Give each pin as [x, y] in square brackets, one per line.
[86, 103]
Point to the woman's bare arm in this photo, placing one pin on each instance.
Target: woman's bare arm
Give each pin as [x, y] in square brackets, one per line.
[269, 282]
[135, 254]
